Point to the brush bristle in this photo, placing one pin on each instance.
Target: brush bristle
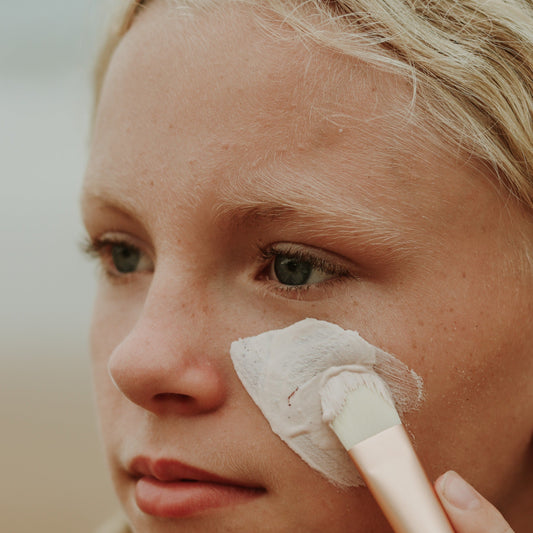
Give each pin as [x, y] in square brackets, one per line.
[357, 406]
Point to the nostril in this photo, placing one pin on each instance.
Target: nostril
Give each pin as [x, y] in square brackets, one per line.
[186, 404]
[183, 404]
[165, 383]
[166, 397]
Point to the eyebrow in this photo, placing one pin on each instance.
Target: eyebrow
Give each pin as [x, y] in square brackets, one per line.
[318, 212]
[330, 217]
[103, 198]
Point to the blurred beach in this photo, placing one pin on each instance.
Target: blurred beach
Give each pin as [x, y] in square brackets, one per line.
[53, 473]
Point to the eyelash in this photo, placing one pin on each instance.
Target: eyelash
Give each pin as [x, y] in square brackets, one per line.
[338, 272]
[99, 248]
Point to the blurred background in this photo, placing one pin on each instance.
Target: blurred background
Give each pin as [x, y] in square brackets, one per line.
[53, 474]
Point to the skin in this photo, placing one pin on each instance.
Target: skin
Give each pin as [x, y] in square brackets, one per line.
[468, 511]
[213, 138]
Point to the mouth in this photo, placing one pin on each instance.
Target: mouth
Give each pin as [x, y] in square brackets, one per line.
[169, 489]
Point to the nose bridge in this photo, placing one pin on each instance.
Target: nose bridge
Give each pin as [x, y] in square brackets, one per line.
[178, 298]
[166, 361]
[172, 305]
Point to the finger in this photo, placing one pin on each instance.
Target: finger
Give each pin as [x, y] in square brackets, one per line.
[469, 512]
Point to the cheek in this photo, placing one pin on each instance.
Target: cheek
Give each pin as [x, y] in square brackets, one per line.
[477, 372]
[111, 322]
[115, 313]
[468, 338]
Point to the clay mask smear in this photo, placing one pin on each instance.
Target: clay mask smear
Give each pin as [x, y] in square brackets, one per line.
[283, 371]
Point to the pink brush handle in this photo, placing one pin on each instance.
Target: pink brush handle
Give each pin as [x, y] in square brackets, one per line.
[394, 475]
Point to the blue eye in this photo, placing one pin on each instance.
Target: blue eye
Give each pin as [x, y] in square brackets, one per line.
[298, 266]
[292, 270]
[125, 258]
[118, 256]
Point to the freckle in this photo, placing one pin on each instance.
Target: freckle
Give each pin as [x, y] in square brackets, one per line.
[225, 146]
[464, 274]
[451, 310]
[421, 323]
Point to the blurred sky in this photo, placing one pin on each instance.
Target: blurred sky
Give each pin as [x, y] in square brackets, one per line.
[50, 451]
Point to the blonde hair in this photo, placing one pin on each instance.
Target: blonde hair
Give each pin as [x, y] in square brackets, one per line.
[470, 63]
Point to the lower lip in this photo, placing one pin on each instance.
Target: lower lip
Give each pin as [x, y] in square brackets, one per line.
[178, 499]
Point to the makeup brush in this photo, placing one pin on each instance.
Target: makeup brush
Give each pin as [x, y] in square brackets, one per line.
[360, 410]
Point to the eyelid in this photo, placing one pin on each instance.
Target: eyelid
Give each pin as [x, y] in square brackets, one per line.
[93, 245]
[327, 261]
[99, 248]
[337, 266]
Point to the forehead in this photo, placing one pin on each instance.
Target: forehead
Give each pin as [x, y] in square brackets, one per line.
[199, 102]
[240, 81]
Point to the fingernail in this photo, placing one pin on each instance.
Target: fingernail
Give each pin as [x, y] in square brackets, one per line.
[459, 493]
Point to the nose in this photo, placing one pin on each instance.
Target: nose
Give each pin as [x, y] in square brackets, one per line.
[167, 362]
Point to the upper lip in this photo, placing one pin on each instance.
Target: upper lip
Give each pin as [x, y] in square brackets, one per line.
[173, 470]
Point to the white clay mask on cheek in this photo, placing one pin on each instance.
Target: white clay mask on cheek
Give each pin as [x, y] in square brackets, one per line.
[284, 370]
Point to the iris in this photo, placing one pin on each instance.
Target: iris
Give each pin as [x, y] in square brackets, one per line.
[291, 270]
[125, 258]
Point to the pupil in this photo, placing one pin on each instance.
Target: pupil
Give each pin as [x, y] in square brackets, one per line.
[125, 258]
[292, 271]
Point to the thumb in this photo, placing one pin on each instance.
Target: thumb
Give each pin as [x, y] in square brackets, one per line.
[468, 511]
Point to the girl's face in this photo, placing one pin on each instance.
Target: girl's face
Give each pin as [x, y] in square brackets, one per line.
[240, 182]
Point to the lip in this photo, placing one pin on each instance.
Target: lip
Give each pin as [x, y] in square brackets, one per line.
[167, 488]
